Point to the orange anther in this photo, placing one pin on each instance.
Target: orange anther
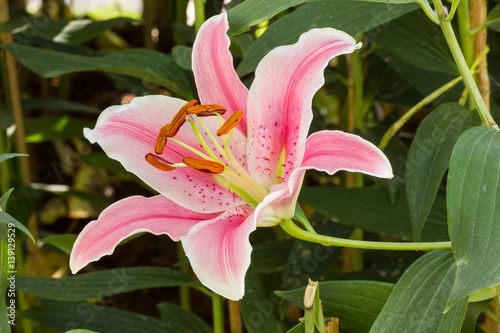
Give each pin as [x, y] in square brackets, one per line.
[230, 123]
[206, 110]
[203, 165]
[179, 119]
[161, 140]
[158, 162]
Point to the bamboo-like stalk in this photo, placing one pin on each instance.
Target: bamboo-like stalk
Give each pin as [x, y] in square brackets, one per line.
[15, 96]
[478, 13]
[15, 101]
[234, 317]
[354, 257]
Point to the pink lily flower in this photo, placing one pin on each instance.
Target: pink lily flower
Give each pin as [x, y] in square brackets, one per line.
[215, 189]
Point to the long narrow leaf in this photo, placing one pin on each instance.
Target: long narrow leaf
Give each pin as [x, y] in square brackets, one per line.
[473, 200]
[101, 284]
[148, 65]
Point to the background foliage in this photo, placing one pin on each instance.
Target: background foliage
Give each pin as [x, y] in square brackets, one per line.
[446, 168]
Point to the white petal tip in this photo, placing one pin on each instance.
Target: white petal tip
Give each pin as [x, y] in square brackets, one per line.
[89, 135]
[74, 268]
[358, 46]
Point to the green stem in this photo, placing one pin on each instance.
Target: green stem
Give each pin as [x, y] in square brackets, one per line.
[464, 29]
[357, 73]
[498, 295]
[218, 313]
[401, 121]
[299, 233]
[199, 11]
[469, 82]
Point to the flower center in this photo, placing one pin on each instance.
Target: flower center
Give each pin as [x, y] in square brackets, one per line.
[224, 167]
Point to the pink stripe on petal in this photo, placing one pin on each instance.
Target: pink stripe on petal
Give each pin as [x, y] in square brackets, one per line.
[279, 109]
[215, 77]
[219, 251]
[127, 217]
[127, 133]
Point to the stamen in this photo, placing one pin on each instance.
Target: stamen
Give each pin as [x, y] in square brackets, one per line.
[161, 140]
[158, 162]
[230, 123]
[203, 165]
[179, 119]
[206, 110]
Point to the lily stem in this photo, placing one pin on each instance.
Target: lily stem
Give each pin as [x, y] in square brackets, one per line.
[417, 107]
[469, 82]
[218, 313]
[299, 233]
[199, 12]
[464, 29]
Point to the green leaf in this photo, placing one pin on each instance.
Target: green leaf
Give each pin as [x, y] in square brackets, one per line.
[62, 242]
[182, 56]
[103, 283]
[102, 161]
[81, 331]
[356, 303]
[60, 31]
[474, 309]
[23, 202]
[424, 4]
[428, 159]
[473, 200]
[419, 298]
[56, 105]
[253, 12]
[148, 65]
[371, 209]
[4, 199]
[418, 41]
[299, 328]
[65, 316]
[54, 128]
[311, 260]
[424, 81]
[7, 219]
[353, 17]
[240, 44]
[264, 263]
[4, 157]
[257, 310]
[492, 21]
[174, 314]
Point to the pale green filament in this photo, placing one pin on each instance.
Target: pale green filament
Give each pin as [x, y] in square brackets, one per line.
[228, 155]
[238, 181]
[204, 144]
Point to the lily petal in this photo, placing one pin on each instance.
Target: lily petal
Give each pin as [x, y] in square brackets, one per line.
[279, 109]
[331, 151]
[128, 132]
[219, 251]
[328, 151]
[127, 217]
[215, 77]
